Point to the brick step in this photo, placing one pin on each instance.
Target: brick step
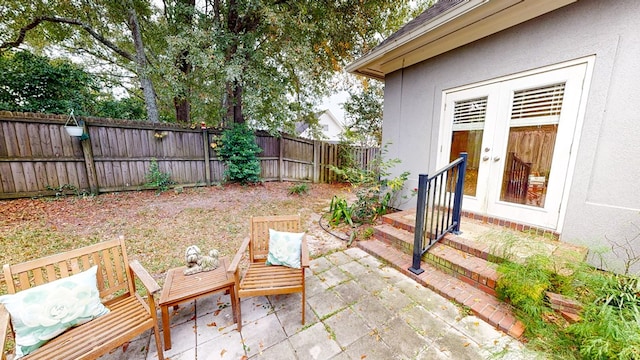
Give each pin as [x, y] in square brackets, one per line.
[483, 305]
[453, 254]
[402, 239]
[405, 220]
[398, 238]
[474, 248]
[473, 270]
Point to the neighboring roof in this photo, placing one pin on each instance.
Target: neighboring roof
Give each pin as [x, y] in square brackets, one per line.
[301, 126]
[445, 26]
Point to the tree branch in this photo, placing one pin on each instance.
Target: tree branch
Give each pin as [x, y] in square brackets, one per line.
[54, 19]
[21, 35]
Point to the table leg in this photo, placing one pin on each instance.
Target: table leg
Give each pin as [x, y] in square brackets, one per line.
[166, 329]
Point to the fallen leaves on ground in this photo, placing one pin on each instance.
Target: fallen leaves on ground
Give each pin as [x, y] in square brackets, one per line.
[157, 228]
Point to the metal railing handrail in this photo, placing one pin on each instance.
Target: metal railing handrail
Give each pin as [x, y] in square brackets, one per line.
[434, 206]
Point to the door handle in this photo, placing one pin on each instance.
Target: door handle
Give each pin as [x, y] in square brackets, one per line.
[497, 158]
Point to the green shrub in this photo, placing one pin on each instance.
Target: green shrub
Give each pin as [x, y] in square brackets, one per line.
[525, 285]
[239, 152]
[299, 189]
[609, 327]
[158, 179]
[374, 190]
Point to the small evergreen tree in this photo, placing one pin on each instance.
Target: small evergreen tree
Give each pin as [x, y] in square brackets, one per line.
[239, 152]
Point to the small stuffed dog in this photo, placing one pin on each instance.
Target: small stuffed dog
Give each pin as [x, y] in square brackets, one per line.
[196, 262]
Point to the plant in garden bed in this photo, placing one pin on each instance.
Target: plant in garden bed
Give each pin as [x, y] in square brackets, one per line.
[299, 189]
[62, 190]
[609, 325]
[158, 179]
[374, 190]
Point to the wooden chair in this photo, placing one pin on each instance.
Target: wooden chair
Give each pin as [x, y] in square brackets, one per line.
[130, 314]
[260, 279]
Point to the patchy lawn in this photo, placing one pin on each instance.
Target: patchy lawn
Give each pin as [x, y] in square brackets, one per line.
[158, 228]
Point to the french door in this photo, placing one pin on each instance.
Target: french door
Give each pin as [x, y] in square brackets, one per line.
[518, 135]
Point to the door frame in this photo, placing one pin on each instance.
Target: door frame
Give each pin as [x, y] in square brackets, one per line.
[445, 128]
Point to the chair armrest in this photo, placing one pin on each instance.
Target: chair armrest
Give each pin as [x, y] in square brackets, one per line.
[236, 259]
[147, 281]
[4, 325]
[304, 256]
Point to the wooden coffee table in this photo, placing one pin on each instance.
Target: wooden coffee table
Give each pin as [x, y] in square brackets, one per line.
[179, 288]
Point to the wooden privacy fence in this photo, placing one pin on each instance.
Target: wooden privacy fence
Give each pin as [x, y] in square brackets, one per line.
[37, 156]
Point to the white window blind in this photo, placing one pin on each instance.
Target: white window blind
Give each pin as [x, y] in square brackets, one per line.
[537, 106]
[470, 114]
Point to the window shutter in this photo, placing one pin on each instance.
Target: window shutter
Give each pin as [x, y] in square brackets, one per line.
[537, 106]
[469, 114]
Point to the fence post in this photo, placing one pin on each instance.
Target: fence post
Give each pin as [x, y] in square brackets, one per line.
[280, 160]
[207, 162]
[419, 228]
[89, 162]
[316, 161]
[457, 202]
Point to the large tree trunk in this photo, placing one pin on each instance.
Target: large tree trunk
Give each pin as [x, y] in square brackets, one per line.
[184, 18]
[181, 102]
[141, 66]
[238, 117]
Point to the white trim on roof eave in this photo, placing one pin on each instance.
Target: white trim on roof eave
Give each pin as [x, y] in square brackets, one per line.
[439, 20]
[451, 30]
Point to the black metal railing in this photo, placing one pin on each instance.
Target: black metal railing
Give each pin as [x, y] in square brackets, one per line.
[439, 207]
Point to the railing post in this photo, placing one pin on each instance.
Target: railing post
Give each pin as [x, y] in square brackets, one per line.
[457, 202]
[419, 228]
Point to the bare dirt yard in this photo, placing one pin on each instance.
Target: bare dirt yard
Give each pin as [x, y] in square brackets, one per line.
[159, 227]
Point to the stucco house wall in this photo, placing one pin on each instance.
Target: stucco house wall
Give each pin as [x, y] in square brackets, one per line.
[604, 196]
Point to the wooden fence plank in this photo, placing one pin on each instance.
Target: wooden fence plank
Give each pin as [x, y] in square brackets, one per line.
[36, 153]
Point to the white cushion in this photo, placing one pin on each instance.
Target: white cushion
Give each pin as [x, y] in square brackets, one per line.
[284, 248]
[43, 312]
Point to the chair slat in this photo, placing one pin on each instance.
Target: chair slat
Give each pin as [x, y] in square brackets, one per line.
[108, 267]
[38, 279]
[64, 269]
[119, 266]
[96, 261]
[75, 266]
[51, 272]
[85, 261]
[24, 281]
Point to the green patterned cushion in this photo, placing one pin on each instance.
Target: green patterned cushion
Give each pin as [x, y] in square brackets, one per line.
[284, 248]
[43, 312]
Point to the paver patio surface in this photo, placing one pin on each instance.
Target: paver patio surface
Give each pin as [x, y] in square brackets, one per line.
[357, 308]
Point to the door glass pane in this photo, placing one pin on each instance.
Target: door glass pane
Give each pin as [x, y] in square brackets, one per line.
[468, 127]
[535, 114]
[471, 143]
[528, 164]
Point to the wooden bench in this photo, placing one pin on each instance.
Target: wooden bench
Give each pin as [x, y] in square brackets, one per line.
[260, 279]
[130, 315]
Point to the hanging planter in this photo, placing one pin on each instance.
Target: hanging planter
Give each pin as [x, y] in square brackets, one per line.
[72, 126]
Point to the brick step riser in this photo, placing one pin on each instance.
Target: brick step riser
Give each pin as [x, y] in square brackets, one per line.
[390, 239]
[475, 279]
[399, 224]
[485, 283]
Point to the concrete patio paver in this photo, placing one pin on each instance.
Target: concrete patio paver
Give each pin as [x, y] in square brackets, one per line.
[356, 308]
